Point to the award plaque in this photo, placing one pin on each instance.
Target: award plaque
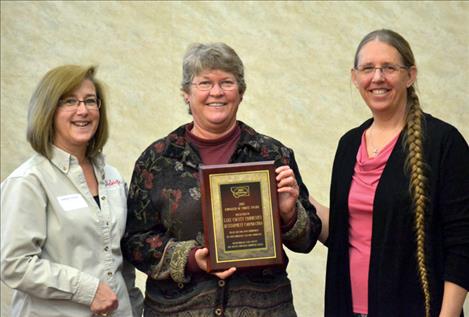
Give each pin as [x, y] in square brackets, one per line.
[240, 213]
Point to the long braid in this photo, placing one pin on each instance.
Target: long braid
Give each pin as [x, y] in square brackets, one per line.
[415, 166]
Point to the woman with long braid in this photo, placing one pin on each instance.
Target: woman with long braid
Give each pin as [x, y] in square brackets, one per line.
[398, 229]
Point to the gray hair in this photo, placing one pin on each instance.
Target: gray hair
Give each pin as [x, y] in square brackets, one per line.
[211, 56]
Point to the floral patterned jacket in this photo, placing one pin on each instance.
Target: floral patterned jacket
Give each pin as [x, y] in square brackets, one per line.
[165, 222]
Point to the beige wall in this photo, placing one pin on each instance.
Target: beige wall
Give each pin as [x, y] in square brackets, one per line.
[297, 57]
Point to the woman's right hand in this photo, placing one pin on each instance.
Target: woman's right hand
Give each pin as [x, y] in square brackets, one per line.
[105, 300]
[201, 257]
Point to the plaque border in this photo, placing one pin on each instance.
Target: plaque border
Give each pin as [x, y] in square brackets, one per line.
[211, 177]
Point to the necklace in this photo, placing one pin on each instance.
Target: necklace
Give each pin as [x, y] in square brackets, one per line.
[384, 138]
[374, 149]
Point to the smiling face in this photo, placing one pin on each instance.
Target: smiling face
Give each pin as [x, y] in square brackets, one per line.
[383, 93]
[75, 128]
[214, 110]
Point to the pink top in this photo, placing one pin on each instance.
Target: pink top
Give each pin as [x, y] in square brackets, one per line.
[365, 179]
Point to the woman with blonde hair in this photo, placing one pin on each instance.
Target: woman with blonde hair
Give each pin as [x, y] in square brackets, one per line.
[64, 209]
[399, 203]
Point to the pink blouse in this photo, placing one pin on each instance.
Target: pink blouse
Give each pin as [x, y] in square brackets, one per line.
[367, 173]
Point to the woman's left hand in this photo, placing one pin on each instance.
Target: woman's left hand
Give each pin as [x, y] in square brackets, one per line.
[201, 257]
[288, 192]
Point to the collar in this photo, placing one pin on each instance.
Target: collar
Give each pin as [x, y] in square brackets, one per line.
[194, 139]
[64, 160]
[178, 146]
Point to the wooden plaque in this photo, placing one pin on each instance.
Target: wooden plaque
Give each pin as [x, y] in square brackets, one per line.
[240, 212]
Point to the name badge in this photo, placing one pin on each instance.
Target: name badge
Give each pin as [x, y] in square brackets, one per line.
[72, 202]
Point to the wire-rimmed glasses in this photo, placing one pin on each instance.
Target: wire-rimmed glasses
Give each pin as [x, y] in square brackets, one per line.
[226, 85]
[72, 104]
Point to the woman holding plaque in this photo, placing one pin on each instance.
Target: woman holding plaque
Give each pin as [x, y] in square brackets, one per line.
[164, 234]
[399, 215]
[64, 209]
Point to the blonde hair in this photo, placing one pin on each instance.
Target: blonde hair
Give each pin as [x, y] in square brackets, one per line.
[416, 167]
[56, 84]
[413, 143]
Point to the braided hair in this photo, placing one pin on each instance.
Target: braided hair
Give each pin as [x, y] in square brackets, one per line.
[415, 165]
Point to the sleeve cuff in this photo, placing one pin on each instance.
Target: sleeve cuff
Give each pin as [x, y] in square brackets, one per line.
[299, 226]
[86, 290]
[288, 226]
[457, 271]
[179, 261]
[192, 266]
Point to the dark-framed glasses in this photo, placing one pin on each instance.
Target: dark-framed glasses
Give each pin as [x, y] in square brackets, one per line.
[226, 84]
[72, 104]
[386, 69]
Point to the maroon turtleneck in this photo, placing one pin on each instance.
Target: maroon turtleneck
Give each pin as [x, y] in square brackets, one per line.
[215, 151]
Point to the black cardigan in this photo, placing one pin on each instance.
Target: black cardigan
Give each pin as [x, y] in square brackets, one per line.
[393, 286]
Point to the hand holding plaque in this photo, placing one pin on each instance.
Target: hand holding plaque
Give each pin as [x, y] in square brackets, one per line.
[240, 211]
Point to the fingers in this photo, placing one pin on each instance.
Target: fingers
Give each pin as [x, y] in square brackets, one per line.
[286, 181]
[225, 274]
[201, 253]
[282, 169]
[285, 176]
[201, 257]
[288, 190]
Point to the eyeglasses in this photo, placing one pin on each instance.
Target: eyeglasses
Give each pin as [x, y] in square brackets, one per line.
[386, 69]
[207, 85]
[72, 104]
